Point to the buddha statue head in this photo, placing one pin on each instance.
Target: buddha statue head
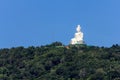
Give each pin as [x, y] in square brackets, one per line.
[78, 28]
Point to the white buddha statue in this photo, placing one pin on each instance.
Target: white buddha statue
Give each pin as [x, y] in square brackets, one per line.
[78, 39]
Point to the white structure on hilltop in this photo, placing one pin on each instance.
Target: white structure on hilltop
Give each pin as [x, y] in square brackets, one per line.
[78, 38]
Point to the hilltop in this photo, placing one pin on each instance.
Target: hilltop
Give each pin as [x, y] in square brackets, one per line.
[58, 62]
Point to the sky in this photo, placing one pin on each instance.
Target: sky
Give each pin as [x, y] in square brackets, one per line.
[40, 22]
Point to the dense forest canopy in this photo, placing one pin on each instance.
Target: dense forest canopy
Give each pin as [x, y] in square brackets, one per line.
[58, 62]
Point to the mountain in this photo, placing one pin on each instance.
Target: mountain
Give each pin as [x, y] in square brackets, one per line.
[58, 62]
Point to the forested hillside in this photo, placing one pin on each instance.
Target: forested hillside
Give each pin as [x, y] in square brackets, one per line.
[58, 62]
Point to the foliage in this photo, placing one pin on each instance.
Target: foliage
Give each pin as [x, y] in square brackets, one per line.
[58, 62]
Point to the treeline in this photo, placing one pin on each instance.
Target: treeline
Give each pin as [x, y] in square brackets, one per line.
[58, 62]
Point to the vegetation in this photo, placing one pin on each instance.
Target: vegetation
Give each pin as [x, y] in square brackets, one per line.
[58, 62]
